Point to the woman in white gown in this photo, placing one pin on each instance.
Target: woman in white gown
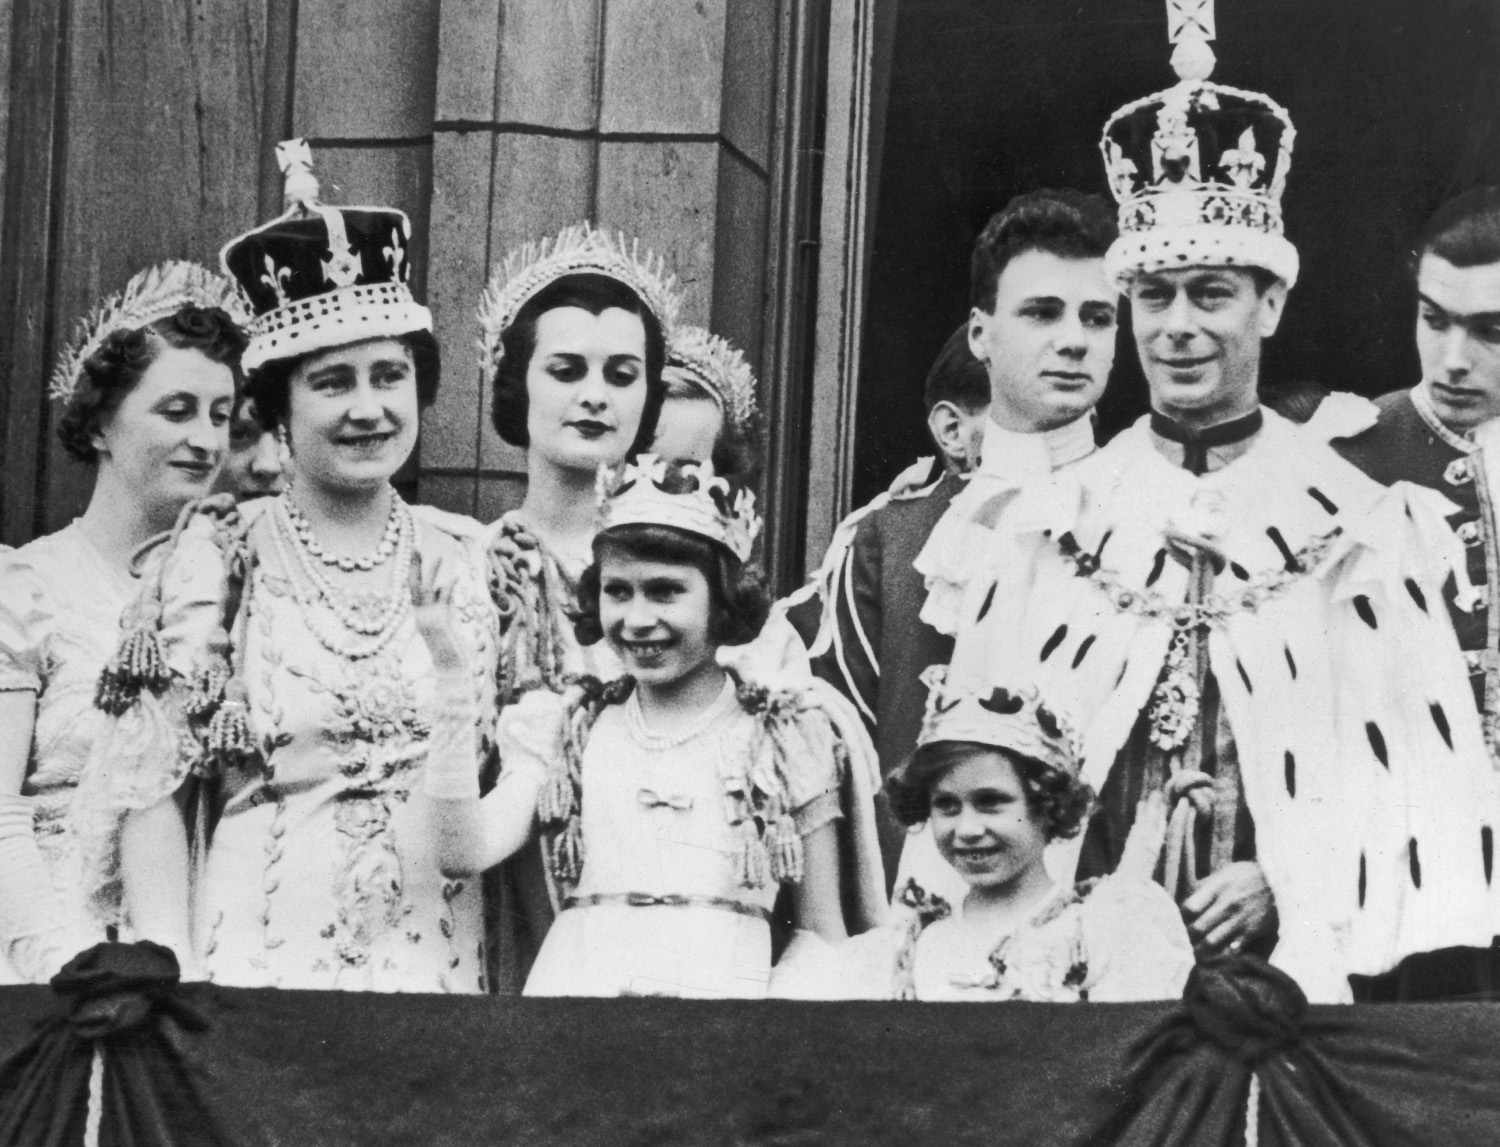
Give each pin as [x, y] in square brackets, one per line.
[296, 682]
[145, 391]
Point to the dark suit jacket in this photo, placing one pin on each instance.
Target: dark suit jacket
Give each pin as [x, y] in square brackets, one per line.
[879, 643]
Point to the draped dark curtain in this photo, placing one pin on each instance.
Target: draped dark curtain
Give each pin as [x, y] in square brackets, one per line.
[217, 1066]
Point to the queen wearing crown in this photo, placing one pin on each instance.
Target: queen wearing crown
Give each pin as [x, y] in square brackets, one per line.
[273, 672]
[145, 390]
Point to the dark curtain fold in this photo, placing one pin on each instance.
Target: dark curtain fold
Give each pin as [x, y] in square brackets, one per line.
[125, 1001]
[350, 1068]
[1323, 1079]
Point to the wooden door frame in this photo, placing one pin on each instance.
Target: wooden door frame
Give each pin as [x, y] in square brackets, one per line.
[861, 36]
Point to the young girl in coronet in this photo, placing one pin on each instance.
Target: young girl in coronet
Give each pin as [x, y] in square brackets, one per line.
[675, 801]
[996, 777]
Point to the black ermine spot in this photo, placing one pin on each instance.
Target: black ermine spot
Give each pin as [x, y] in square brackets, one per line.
[989, 600]
[1083, 650]
[1291, 662]
[1289, 771]
[1159, 564]
[1239, 571]
[1415, 861]
[1288, 558]
[1377, 742]
[1322, 499]
[1365, 610]
[1416, 594]
[1245, 677]
[1440, 719]
[1054, 641]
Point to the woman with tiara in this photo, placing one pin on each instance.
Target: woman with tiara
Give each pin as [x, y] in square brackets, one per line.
[710, 412]
[573, 335]
[276, 651]
[145, 390]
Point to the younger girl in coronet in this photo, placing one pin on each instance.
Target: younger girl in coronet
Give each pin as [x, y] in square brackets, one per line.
[996, 777]
[675, 801]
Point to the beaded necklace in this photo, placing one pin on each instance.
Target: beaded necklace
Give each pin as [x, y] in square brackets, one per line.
[387, 546]
[375, 616]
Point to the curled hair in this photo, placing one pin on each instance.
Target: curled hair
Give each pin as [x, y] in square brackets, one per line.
[1063, 222]
[112, 371]
[737, 599]
[593, 293]
[270, 384]
[1465, 231]
[1059, 800]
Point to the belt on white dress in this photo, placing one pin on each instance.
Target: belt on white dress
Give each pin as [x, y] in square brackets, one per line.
[668, 900]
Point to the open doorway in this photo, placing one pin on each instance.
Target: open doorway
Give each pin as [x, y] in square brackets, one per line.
[1395, 104]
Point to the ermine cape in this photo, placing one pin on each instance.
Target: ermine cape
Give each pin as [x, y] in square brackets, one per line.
[1360, 750]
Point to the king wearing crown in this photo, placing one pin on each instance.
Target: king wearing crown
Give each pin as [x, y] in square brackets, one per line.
[1252, 629]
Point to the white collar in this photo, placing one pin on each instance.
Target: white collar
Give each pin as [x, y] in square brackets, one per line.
[1007, 453]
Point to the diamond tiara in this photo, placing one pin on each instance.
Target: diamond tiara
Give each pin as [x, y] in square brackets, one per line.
[149, 296]
[719, 367]
[579, 249]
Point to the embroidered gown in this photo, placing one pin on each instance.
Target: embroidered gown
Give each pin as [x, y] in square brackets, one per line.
[60, 606]
[320, 872]
[659, 908]
[1105, 941]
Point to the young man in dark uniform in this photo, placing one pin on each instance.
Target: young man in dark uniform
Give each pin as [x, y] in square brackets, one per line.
[1444, 433]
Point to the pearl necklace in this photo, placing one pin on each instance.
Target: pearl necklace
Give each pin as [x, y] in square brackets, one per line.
[385, 549]
[648, 738]
[378, 621]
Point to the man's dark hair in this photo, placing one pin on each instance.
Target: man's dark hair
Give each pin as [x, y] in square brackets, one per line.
[1063, 222]
[1465, 231]
[957, 376]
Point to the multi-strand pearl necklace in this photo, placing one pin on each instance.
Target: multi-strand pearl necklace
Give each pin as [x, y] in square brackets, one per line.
[377, 627]
[310, 543]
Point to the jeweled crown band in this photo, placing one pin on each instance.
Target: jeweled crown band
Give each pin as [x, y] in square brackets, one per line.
[689, 497]
[1198, 169]
[1016, 720]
